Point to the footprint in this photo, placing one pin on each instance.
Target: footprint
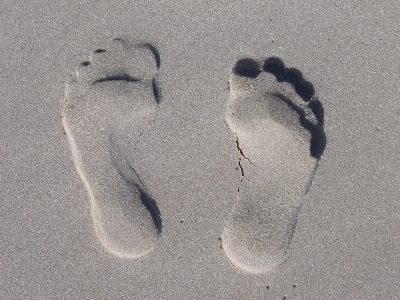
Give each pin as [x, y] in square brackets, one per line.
[110, 102]
[278, 123]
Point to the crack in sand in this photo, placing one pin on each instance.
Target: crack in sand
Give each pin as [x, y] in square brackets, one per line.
[146, 129]
[240, 167]
[241, 151]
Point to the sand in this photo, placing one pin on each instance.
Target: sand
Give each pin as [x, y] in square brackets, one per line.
[202, 185]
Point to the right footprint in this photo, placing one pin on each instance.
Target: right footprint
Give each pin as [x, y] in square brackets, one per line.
[278, 123]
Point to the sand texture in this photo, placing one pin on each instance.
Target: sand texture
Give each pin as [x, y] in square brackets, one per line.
[211, 150]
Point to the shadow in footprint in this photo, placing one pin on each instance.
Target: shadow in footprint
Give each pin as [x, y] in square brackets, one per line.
[306, 91]
[318, 137]
[111, 100]
[132, 179]
[303, 88]
[278, 121]
[247, 67]
[250, 68]
[152, 207]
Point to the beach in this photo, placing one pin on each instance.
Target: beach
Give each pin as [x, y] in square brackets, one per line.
[193, 156]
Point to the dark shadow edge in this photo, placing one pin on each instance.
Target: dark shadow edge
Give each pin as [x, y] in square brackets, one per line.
[318, 137]
[247, 67]
[124, 77]
[152, 207]
[303, 88]
[148, 202]
[156, 53]
[156, 90]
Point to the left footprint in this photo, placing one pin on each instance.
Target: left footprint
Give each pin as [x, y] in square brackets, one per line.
[110, 102]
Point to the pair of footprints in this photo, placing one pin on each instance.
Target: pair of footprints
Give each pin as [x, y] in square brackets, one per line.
[113, 98]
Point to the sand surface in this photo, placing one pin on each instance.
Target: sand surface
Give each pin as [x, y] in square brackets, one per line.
[346, 243]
